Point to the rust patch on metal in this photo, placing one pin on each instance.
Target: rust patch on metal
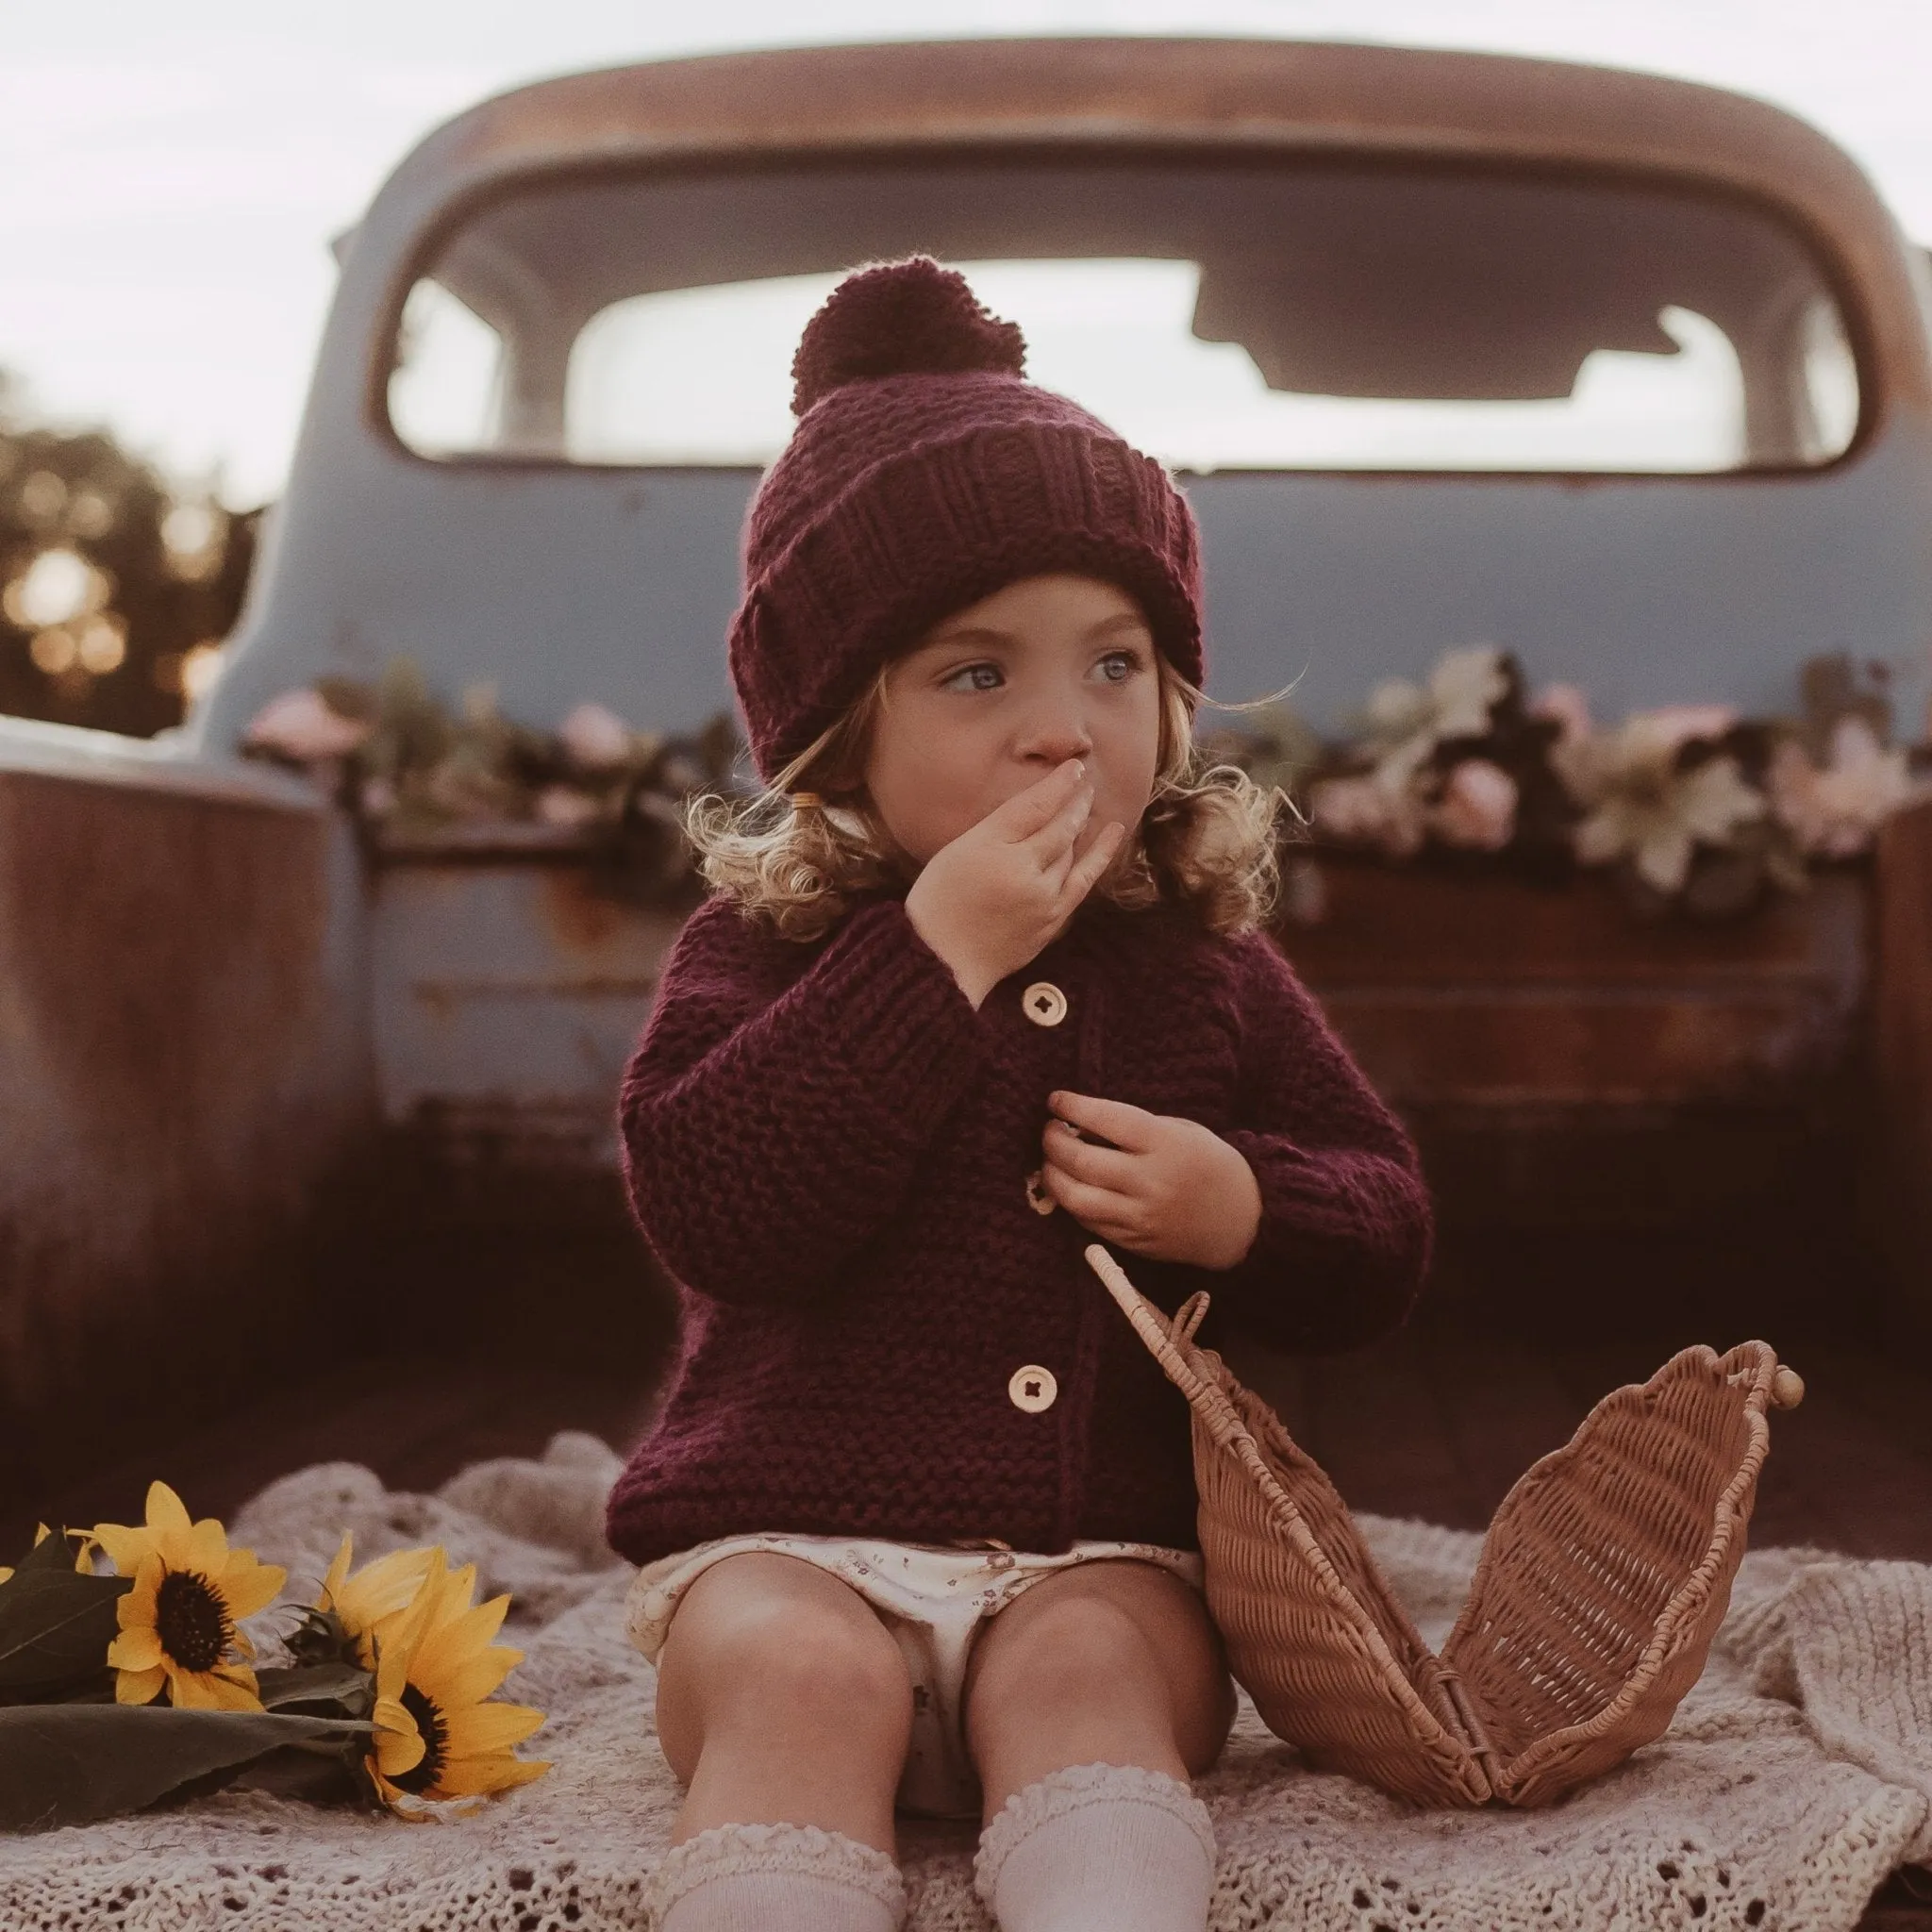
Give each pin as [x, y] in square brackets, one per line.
[581, 917]
[173, 1080]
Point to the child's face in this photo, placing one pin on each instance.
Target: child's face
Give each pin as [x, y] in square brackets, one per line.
[996, 696]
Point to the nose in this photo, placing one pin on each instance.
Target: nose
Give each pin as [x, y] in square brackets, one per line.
[1055, 730]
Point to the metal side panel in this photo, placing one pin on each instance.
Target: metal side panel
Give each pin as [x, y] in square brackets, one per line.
[508, 996]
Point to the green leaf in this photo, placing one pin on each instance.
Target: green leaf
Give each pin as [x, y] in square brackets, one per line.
[56, 1625]
[73, 1763]
[351, 1689]
[53, 1552]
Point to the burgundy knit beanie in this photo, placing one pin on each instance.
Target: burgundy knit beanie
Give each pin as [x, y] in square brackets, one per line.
[924, 475]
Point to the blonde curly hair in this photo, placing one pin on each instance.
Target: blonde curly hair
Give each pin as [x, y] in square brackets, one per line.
[800, 851]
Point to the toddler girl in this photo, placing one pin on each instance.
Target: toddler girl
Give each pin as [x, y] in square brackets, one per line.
[984, 979]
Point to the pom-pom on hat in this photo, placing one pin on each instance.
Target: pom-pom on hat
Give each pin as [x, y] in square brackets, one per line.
[925, 474]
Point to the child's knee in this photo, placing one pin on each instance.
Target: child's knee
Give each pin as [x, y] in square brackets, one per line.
[1071, 1651]
[777, 1650]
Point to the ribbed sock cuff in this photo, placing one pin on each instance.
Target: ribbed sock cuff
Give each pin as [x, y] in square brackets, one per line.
[800, 1851]
[1073, 1788]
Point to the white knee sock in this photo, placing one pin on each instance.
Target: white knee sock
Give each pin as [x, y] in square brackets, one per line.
[763, 1877]
[1098, 1848]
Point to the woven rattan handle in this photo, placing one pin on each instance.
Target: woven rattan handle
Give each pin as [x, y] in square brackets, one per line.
[1158, 1334]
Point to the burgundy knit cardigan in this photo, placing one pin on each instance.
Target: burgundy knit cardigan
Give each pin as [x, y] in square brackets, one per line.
[827, 1148]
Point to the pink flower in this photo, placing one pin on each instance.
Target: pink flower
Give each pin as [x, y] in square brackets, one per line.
[1365, 811]
[564, 805]
[595, 738]
[1570, 710]
[1477, 807]
[301, 724]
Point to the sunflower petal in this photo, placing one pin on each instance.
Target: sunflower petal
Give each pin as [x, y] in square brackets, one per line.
[459, 1587]
[138, 1686]
[488, 1727]
[233, 1688]
[463, 1778]
[399, 1746]
[165, 1510]
[191, 1689]
[475, 1678]
[453, 1639]
[381, 1588]
[138, 1649]
[338, 1569]
[248, 1586]
[125, 1547]
[138, 1606]
[207, 1549]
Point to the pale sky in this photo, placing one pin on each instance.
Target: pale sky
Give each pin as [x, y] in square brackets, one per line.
[170, 175]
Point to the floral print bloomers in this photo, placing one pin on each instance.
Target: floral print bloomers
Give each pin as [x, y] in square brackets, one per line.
[931, 1597]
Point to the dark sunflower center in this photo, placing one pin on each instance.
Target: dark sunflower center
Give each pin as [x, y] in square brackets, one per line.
[191, 1621]
[423, 1773]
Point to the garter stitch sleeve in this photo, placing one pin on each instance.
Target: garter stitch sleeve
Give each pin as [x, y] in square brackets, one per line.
[1345, 1221]
[775, 1120]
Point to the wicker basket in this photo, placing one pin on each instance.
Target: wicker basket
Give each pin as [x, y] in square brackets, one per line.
[1602, 1580]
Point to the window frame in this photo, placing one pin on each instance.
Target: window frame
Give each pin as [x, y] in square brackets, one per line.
[1875, 401]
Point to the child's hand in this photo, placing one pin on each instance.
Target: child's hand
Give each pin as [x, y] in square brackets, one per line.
[1168, 1188]
[1005, 887]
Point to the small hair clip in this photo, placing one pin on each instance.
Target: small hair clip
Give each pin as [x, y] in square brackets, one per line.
[801, 799]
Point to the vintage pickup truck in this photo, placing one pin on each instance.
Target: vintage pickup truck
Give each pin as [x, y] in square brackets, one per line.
[1630, 375]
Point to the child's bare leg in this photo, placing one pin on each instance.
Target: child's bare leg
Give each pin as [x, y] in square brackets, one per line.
[1095, 1697]
[1111, 1662]
[783, 1699]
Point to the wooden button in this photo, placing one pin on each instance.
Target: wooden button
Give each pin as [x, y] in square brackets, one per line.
[1033, 1388]
[1037, 1196]
[1043, 1003]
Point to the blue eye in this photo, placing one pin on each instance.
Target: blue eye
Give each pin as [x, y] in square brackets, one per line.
[972, 671]
[1128, 659]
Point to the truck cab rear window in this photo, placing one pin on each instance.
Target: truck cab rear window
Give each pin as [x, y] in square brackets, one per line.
[1222, 316]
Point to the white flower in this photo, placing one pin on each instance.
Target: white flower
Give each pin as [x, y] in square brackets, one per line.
[1477, 807]
[1463, 688]
[1396, 708]
[1655, 815]
[301, 724]
[1641, 752]
[595, 738]
[1456, 702]
[1834, 813]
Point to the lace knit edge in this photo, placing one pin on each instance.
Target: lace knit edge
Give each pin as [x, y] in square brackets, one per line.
[1072, 1788]
[806, 1849]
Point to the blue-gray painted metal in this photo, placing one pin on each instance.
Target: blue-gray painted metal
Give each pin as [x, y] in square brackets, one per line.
[560, 585]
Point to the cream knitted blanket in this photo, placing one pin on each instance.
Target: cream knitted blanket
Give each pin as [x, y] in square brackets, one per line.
[1797, 1776]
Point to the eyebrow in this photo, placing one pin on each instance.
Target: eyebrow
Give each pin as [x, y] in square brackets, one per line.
[991, 634]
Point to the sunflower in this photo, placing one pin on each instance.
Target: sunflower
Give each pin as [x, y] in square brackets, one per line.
[179, 1623]
[436, 1737]
[378, 1594]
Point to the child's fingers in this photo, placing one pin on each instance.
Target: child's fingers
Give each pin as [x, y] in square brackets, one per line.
[1055, 840]
[1026, 813]
[1084, 874]
[1099, 1167]
[1129, 1127]
[1099, 1210]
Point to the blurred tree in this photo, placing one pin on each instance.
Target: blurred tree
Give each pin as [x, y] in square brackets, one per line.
[115, 592]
